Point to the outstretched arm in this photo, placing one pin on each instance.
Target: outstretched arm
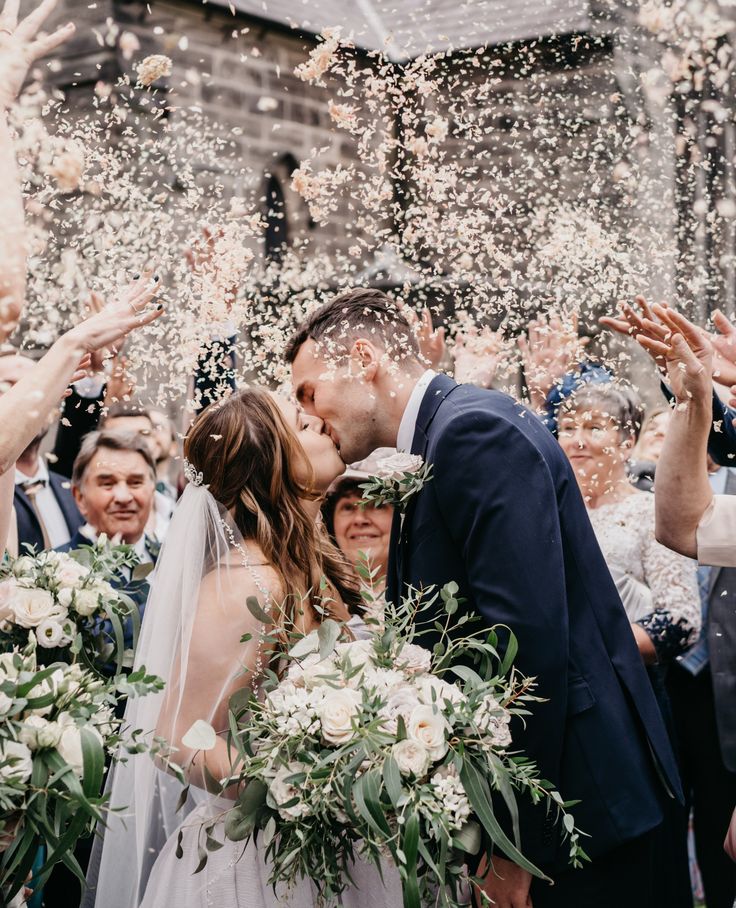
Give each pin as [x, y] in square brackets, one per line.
[683, 490]
[19, 48]
[39, 392]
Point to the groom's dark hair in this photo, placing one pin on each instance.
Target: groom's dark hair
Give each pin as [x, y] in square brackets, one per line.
[363, 312]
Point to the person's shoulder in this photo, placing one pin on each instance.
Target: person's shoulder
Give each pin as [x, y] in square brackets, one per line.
[230, 584]
[470, 410]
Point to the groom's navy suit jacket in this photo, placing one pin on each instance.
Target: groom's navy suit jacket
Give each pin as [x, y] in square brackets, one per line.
[502, 516]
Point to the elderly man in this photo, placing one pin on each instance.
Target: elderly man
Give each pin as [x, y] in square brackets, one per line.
[113, 484]
[46, 515]
[697, 517]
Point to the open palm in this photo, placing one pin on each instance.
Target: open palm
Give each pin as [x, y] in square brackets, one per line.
[21, 46]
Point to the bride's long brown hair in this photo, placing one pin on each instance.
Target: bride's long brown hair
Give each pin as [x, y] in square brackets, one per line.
[250, 458]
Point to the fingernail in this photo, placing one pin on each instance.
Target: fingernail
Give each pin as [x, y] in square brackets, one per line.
[159, 308]
[69, 25]
[136, 277]
[156, 277]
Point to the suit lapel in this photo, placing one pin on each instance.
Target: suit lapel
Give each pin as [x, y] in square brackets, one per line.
[439, 388]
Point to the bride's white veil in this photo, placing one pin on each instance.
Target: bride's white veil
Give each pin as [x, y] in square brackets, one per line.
[201, 543]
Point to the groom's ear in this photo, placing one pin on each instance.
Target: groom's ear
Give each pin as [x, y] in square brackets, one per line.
[364, 359]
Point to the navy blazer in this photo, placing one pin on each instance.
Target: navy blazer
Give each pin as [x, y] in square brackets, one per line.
[503, 517]
[29, 529]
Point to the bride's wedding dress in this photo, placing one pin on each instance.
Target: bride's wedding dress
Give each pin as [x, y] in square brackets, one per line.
[201, 638]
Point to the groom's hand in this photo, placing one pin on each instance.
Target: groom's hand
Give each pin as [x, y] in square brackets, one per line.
[504, 883]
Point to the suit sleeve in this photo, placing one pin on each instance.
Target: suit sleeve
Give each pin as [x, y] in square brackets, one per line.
[722, 438]
[498, 499]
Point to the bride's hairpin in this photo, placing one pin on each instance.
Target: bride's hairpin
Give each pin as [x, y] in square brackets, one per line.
[192, 475]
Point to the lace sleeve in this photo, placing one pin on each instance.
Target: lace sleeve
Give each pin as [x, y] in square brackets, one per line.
[675, 622]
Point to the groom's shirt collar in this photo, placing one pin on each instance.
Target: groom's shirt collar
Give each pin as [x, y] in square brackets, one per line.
[405, 438]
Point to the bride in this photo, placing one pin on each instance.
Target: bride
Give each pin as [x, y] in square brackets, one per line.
[245, 526]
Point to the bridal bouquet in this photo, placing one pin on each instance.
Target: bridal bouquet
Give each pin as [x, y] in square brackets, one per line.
[56, 723]
[366, 746]
[60, 600]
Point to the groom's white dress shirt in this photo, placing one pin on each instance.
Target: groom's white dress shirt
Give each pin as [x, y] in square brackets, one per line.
[408, 423]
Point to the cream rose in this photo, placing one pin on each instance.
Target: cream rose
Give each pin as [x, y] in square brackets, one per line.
[8, 591]
[86, 602]
[70, 747]
[23, 566]
[22, 759]
[70, 572]
[31, 607]
[7, 666]
[416, 660]
[396, 465]
[37, 732]
[402, 701]
[434, 690]
[336, 713]
[311, 671]
[411, 757]
[428, 726]
[282, 792]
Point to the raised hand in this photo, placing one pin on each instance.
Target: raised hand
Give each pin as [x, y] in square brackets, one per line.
[724, 350]
[109, 326]
[21, 45]
[632, 324]
[686, 351]
[431, 340]
[478, 354]
[550, 349]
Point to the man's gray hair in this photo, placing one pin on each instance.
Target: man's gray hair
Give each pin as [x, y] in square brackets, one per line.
[112, 441]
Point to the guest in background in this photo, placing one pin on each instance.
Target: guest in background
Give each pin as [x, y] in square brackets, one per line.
[130, 418]
[167, 450]
[361, 531]
[598, 428]
[45, 513]
[648, 448]
[113, 483]
[696, 515]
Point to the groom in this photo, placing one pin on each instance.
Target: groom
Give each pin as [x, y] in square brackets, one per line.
[502, 516]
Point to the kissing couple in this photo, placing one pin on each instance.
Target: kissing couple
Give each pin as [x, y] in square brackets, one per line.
[501, 516]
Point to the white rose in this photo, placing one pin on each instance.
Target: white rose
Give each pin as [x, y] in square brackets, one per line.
[411, 757]
[39, 733]
[48, 685]
[24, 566]
[432, 685]
[414, 659]
[358, 652]
[336, 713]
[312, 671]
[396, 465]
[282, 792]
[70, 747]
[428, 726]
[65, 596]
[6, 704]
[50, 633]
[31, 607]
[70, 572]
[8, 591]
[86, 602]
[7, 666]
[22, 758]
[402, 701]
